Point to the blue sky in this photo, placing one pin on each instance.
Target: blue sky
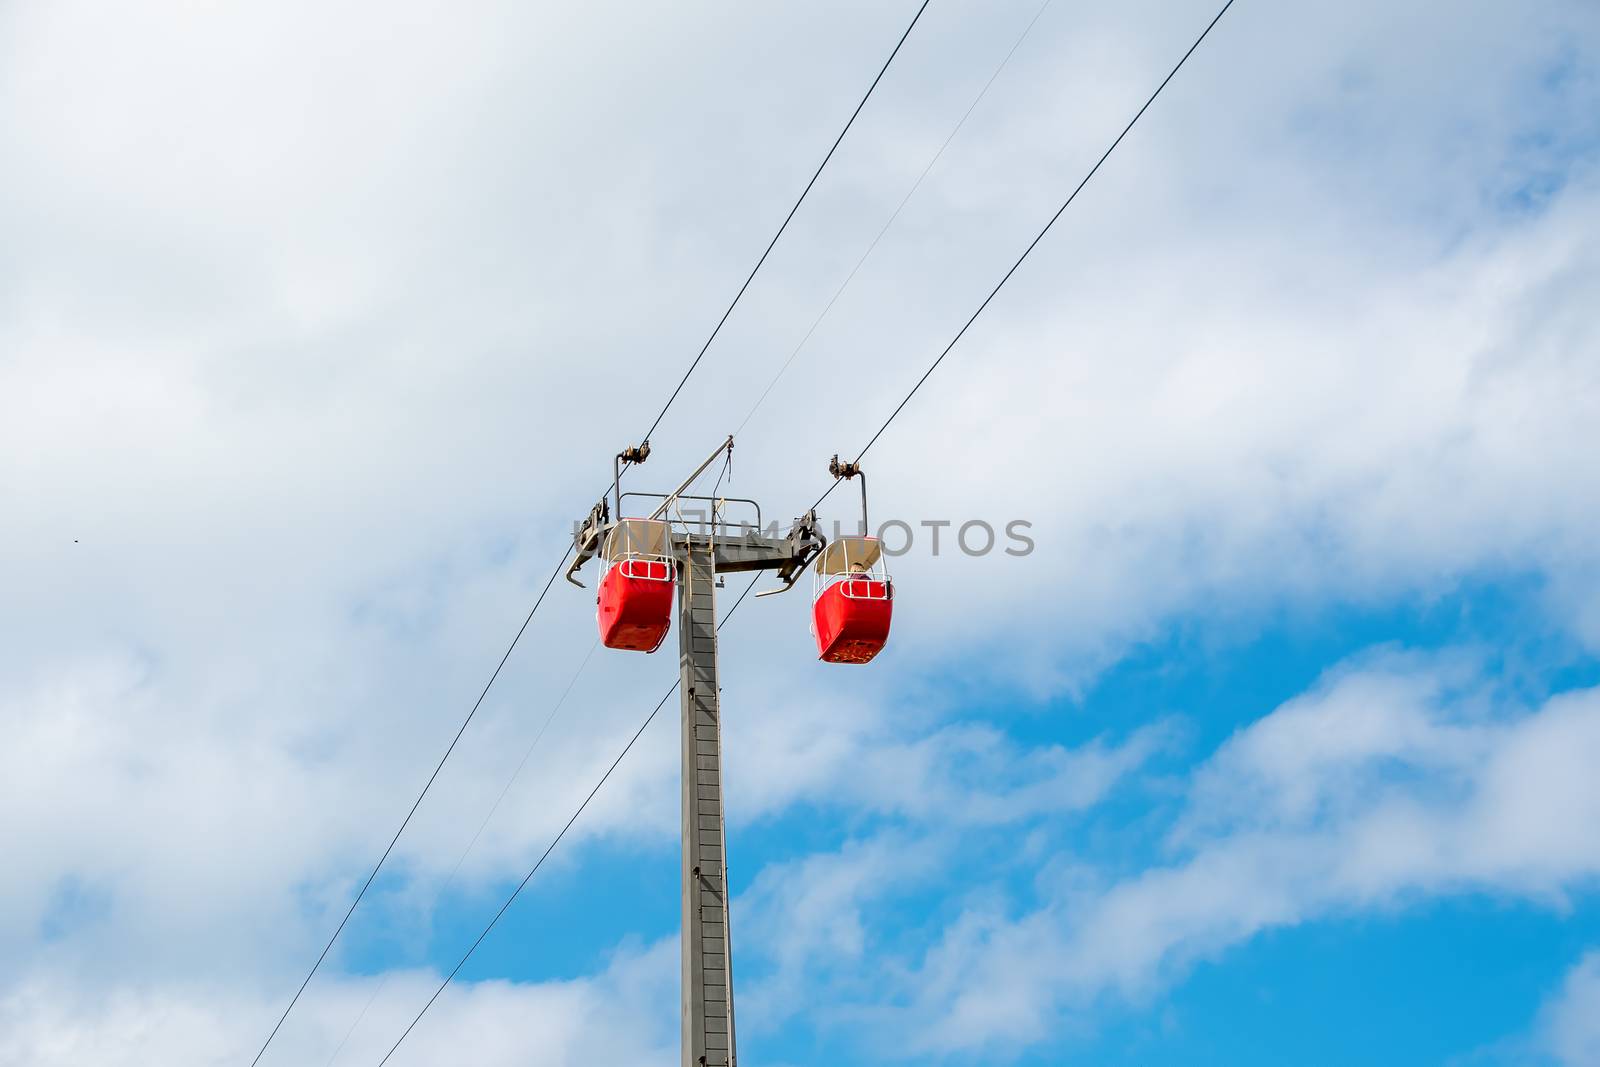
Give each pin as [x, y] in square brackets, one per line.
[1446, 979]
[318, 330]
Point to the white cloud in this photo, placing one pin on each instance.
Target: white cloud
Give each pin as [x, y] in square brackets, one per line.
[1388, 784]
[847, 752]
[1572, 1018]
[624, 1014]
[809, 919]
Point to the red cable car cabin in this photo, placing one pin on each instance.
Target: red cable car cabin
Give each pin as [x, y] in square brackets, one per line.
[852, 601]
[635, 595]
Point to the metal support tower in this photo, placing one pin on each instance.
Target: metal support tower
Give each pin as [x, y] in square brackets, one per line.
[708, 1035]
[708, 1030]
[700, 556]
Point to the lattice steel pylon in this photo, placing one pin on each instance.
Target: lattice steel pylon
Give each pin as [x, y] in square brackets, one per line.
[701, 552]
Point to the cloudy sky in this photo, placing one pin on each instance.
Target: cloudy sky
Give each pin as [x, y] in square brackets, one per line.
[319, 325]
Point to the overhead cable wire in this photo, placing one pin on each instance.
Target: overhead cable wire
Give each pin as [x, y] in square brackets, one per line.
[482, 826]
[552, 846]
[414, 806]
[500, 799]
[891, 220]
[1034, 243]
[786, 219]
[654, 424]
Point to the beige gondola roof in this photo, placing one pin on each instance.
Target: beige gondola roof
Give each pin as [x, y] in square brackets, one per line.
[845, 554]
[638, 537]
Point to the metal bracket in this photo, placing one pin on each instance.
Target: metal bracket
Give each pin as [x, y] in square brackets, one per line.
[633, 457]
[846, 471]
[687, 482]
[587, 539]
[805, 542]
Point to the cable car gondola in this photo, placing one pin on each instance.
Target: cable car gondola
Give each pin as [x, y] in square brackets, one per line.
[635, 599]
[852, 596]
[852, 601]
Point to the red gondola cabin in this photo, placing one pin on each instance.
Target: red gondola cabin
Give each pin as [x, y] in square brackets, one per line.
[852, 601]
[636, 589]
